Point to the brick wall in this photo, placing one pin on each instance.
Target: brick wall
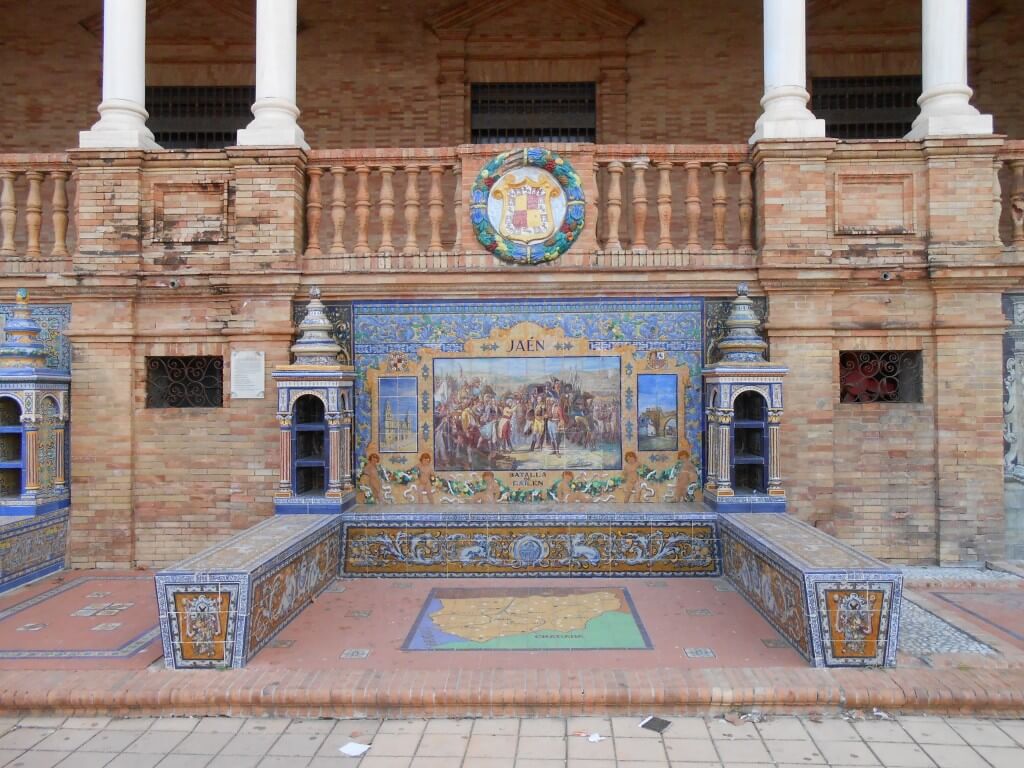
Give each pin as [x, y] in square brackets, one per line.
[683, 75]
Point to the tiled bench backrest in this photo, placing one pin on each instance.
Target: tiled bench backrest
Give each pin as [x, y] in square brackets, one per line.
[837, 606]
[220, 607]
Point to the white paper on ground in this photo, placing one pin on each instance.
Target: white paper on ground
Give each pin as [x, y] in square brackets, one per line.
[354, 749]
[596, 737]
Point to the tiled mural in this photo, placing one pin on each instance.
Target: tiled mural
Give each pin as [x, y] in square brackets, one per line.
[1013, 424]
[528, 401]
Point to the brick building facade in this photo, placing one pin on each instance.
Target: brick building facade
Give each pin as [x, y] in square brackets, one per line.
[862, 244]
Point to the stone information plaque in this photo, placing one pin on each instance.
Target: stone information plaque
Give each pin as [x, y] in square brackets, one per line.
[247, 374]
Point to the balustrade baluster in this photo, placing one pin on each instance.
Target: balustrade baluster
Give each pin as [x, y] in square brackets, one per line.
[8, 213]
[639, 243]
[386, 205]
[457, 173]
[1016, 201]
[338, 208]
[997, 198]
[314, 210]
[362, 210]
[436, 203]
[412, 209]
[746, 208]
[33, 212]
[614, 205]
[693, 207]
[665, 206]
[60, 213]
[719, 200]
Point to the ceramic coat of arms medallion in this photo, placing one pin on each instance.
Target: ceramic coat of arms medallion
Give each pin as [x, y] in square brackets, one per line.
[527, 206]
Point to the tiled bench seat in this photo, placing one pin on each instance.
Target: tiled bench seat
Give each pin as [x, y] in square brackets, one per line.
[531, 540]
[837, 606]
[220, 607]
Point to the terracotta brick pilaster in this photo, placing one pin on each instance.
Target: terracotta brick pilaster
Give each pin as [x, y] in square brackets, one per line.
[969, 327]
[108, 214]
[102, 523]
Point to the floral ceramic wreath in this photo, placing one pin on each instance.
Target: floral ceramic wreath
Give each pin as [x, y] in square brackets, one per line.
[512, 251]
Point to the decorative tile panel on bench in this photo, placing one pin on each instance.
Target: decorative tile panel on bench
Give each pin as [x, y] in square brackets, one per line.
[32, 547]
[532, 540]
[837, 606]
[221, 606]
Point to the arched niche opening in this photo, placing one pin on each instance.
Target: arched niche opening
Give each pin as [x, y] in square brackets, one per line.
[309, 446]
[750, 443]
[11, 448]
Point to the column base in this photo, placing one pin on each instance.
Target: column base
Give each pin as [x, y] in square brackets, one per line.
[122, 125]
[804, 128]
[274, 125]
[116, 139]
[950, 125]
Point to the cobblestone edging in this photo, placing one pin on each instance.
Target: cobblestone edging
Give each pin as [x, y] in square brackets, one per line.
[481, 693]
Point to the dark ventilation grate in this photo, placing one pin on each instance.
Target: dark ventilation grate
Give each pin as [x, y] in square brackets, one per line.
[184, 382]
[542, 113]
[880, 377]
[866, 107]
[198, 116]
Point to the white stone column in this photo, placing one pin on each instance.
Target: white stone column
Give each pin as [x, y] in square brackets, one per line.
[786, 115]
[275, 115]
[122, 122]
[945, 98]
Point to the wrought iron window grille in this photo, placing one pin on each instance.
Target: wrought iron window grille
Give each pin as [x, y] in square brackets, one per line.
[198, 116]
[866, 107]
[880, 377]
[543, 113]
[184, 382]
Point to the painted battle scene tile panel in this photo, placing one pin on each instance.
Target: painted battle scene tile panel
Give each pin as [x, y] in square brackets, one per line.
[513, 395]
[529, 619]
[95, 620]
[774, 592]
[540, 413]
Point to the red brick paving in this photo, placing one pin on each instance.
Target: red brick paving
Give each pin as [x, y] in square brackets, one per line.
[310, 680]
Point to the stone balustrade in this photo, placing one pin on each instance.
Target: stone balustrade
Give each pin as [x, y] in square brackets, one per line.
[647, 206]
[1009, 194]
[35, 213]
[382, 209]
[674, 199]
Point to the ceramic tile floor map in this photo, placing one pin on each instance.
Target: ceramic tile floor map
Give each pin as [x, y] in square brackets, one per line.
[528, 619]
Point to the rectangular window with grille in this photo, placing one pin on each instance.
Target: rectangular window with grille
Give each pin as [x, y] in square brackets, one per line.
[542, 113]
[866, 107]
[185, 382]
[880, 377]
[198, 116]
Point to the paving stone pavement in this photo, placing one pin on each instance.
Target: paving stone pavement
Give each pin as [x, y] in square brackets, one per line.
[689, 742]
